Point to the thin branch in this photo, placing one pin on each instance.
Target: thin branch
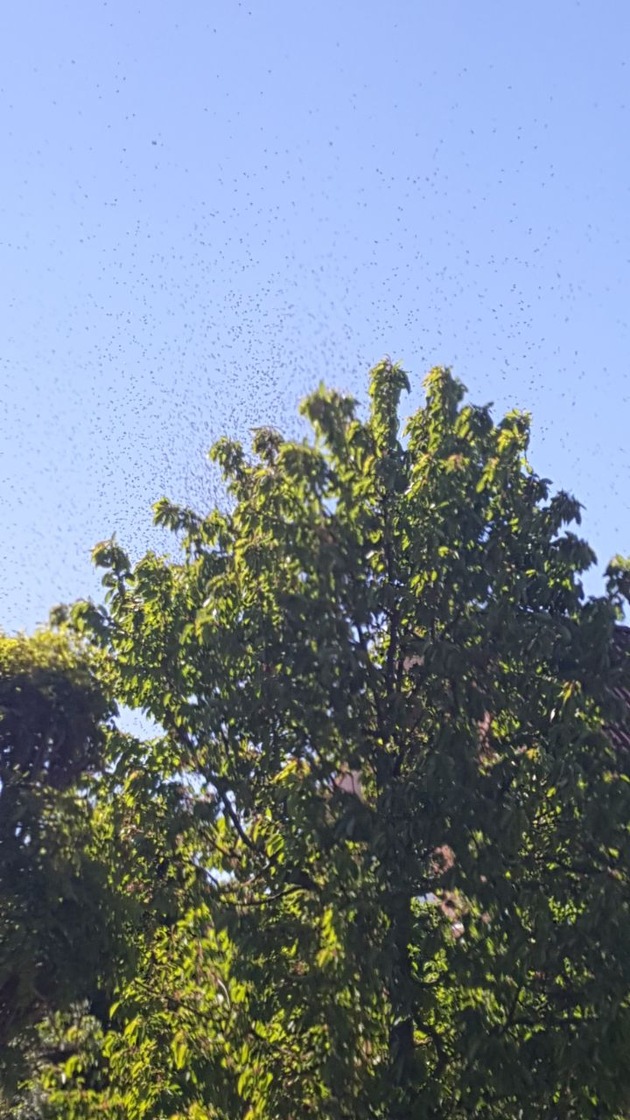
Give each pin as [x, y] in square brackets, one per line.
[233, 815]
[263, 901]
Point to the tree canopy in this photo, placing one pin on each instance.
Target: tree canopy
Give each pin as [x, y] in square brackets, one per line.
[380, 845]
[54, 928]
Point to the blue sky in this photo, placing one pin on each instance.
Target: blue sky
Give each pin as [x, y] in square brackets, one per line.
[208, 207]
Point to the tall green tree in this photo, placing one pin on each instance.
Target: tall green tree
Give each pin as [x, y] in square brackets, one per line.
[405, 855]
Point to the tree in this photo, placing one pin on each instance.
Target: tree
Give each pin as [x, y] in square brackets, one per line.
[56, 903]
[447, 934]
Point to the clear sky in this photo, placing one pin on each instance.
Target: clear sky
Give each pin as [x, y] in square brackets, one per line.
[206, 208]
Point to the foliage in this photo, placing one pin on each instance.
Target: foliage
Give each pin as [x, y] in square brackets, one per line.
[51, 735]
[394, 831]
[56, 935]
